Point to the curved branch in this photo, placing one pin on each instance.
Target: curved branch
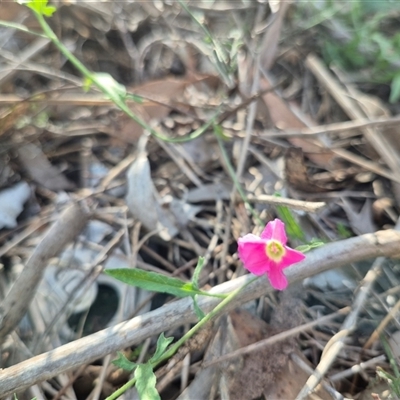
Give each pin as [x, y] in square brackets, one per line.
[172, 315]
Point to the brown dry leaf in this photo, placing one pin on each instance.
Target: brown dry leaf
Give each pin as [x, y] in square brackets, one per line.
[270, 42]
[296, 172]
[14, 12]
[9, 117]
[165, 90]
[373, 107]
[283, 117]
[346, 100]
[298, 177]
[389, 146]
[10, 11]
[38, 167]
[160, 97]
[129, 131]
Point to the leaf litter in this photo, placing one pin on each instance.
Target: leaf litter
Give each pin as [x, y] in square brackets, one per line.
[159, 206]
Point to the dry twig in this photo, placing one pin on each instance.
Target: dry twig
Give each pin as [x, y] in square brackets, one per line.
[134, 331]
[17, 301]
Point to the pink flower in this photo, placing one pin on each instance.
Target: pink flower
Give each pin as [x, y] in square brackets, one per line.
[269, 254]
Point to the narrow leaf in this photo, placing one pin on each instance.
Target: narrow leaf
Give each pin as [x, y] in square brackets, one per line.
[219, 132]
[196, 274]
[146, 382]
[87, 83]
[115, 89]
[309, 246]
[303, 248]
[199, 312]
[162, 344]
[155, 282]
[395, 89]
[292, 227]
[135, 98]
[124, 363]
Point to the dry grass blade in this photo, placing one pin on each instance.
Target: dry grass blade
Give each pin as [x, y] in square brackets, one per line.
[307, 206]
[380, 329]
[32, 50]
[379, 142]
[337, 127]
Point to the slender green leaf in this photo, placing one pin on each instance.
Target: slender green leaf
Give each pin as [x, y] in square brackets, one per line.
[162, 344]
[395, 89]
[293, 229]
[343, 232]
[390, 356]
[114, 89]
[309, 246]
[135, 98]
[156, 282]
[87, 83]
[219, 131]
[124, 363]
[232, 173]
[199, 312]
[196, 274]
[146, 382]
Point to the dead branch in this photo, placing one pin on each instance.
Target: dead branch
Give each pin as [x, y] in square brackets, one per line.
[134, 331]
[17, 301]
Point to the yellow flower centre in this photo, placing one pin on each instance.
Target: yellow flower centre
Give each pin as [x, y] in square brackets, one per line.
[275, 250]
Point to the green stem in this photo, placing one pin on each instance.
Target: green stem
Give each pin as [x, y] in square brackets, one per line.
[236, 182]
[171, 351]
[118, 100]
[220, 56]
[174, 348]
[52, 36]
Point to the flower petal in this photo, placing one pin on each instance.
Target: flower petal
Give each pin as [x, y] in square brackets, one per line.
[275, 230]
[291, 257]
[266, 234]
[251, 251]
[251, 238]
[277, 278]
